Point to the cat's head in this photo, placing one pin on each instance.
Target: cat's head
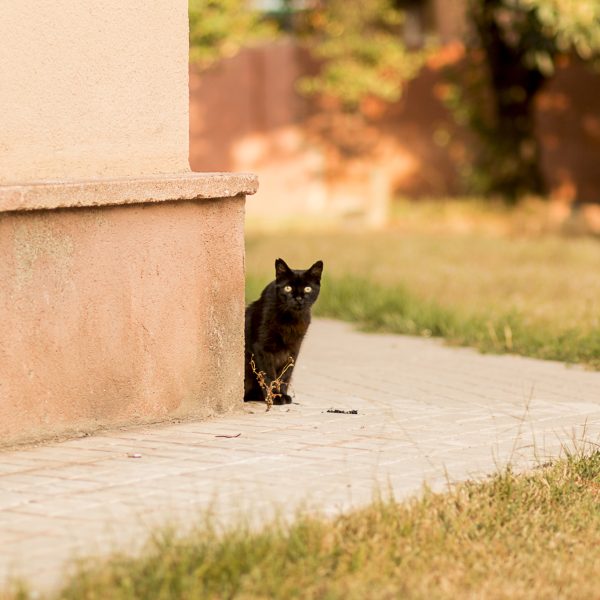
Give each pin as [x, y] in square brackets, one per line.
[297, 290]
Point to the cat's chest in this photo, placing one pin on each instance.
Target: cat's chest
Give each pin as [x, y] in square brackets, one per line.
[287, 335]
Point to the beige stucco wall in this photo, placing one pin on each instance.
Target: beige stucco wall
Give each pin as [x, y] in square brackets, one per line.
[93, 89]
[121, 272]
[119, 314]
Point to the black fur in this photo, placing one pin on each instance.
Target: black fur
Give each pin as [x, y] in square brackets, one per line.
[276, 324]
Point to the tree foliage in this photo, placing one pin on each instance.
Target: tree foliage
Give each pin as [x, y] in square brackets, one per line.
[219, 28]
[570, 25]
[360, 46]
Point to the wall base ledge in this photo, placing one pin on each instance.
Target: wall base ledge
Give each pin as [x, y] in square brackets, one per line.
[48, 195]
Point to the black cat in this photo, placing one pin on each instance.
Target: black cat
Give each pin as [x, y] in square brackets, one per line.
[275, 327]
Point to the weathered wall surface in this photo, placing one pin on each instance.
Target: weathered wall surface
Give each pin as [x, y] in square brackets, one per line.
[118, 315]
[93, 89]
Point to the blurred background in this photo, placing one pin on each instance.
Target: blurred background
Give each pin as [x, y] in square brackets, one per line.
[343, 107]
[442, 158]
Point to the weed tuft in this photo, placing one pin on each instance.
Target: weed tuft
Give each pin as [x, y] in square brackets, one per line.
[271, 389]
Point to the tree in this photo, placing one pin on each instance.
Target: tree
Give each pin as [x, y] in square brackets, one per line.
[220, 28]
[520, 41]
[362, 54]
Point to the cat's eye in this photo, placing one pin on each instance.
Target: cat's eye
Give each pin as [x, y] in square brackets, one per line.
[287, 288]
[307, 289]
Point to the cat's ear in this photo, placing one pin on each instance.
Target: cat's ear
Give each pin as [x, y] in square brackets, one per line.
[281, 269]
[316, 270]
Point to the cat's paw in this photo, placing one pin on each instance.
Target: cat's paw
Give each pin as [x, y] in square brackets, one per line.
[283, 399]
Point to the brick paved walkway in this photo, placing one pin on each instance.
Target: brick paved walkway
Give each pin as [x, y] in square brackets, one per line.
[426, 413]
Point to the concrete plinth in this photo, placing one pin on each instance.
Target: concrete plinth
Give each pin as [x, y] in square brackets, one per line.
[121, 301]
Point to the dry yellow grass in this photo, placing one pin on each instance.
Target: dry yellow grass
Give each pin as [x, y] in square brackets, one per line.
[475, 273]
[550, 280]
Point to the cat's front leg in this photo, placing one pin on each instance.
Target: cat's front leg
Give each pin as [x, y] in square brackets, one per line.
[274, 379]
[285, 378]
[265, 363]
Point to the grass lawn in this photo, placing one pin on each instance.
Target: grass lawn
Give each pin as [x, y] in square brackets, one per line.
[513, 536]
[532, 295]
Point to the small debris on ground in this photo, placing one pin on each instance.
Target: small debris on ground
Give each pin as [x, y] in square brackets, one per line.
[229, 436]
[342, 412]
[134, 455]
